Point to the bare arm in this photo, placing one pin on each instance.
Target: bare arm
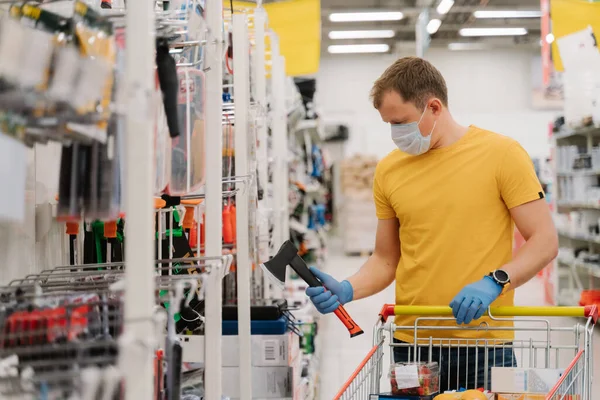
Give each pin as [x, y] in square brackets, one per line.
[380, 269]
[535, 223]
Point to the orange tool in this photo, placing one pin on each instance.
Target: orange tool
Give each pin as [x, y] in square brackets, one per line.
[189, 224]
[72, 231]
[232, 212]
[228, 237]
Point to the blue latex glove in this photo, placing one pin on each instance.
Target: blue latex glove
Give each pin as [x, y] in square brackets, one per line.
[327, 301]
[473, 301]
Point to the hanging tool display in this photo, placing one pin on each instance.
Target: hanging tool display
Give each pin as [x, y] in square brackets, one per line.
[187, 159]
[228, 173]
[169, 84]
[72, 229]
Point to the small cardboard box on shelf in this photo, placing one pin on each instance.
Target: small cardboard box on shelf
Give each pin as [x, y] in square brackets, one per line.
[267, 382]
[524, 380]
[267, 350]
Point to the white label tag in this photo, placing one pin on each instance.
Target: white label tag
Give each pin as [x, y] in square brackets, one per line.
[269, 351]
[407, 376]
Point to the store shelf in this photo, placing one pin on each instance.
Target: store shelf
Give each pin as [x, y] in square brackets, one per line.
[582, 238]
[592, 269]
[295, 115]
[583, 172]
[313, 127]
[572, 133]
[578, 206]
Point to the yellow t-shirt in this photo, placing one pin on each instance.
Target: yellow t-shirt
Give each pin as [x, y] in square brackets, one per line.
[455, 227]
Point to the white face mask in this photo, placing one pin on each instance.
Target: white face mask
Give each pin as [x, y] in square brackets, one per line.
[409, 139]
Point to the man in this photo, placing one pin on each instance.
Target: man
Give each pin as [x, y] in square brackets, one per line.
[446, 200]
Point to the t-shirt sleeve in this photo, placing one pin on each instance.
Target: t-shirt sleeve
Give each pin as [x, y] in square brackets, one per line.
[383, 208]
[517, 180]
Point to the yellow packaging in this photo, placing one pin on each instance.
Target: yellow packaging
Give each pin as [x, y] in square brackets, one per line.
[53, 24]
[95, 38]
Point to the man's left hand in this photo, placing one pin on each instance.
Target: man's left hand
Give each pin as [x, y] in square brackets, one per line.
[474, 299]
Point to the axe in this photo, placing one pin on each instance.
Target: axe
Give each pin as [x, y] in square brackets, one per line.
[288, 255]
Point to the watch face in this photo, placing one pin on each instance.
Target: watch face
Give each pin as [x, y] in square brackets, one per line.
[501, 276]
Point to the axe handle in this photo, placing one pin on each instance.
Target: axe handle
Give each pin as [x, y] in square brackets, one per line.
[302, 270]
[298, 265]
[348, 322]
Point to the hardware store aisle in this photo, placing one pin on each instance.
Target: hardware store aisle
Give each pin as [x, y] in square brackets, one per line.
[341, 355]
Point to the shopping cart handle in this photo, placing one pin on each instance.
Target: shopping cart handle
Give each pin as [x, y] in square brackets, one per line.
[442, 311]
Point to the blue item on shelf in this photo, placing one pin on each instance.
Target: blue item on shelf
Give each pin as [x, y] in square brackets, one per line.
[317, 159]
[276, 327]
[312, 217]
[321, 214]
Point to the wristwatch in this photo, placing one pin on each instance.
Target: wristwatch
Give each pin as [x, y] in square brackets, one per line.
[500, 276]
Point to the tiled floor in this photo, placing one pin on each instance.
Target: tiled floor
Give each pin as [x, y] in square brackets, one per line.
[341, 355]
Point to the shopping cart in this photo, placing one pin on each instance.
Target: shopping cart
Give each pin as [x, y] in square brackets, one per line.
[532, 342]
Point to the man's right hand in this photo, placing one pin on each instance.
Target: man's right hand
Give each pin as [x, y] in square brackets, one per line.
[327, 299]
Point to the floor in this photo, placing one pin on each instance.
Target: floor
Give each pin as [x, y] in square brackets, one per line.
[341, 355]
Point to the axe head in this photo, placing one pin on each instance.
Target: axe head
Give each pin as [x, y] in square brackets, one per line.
[277, 265]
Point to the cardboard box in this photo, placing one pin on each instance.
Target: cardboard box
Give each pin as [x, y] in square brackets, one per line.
[524, 380]
[267, 350]
[297, 372]
[267, 382]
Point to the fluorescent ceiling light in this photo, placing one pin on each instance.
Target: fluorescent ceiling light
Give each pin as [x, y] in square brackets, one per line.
[358, 48]
[377, 34]
[366, 16]
[492, 32]
[507, 14]
[549, 38]
[433, 26]
[467, 46]
[444, 6]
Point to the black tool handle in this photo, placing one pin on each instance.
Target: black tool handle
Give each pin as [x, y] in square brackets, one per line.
[174, 372]
[305, 273]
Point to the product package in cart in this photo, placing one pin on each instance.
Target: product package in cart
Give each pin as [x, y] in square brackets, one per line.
[415, 379]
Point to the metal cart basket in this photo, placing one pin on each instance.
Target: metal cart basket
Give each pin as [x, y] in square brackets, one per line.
[532, 342]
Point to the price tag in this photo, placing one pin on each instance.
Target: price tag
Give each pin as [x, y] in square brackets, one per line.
[407, 376]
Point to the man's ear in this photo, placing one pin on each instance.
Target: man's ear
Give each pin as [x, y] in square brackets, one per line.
[436, 106]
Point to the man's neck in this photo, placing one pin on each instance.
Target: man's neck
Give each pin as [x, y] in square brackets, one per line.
[447, 132]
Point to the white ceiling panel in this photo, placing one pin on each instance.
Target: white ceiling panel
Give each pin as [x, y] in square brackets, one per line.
[460, 16]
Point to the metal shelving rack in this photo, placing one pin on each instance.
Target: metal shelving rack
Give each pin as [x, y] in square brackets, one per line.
[137, 356]
[140, 337]
[241, 68]
[573, 275]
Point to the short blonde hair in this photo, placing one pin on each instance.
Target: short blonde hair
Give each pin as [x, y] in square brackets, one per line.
[413, 78]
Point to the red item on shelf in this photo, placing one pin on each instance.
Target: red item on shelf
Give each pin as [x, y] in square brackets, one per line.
[45, 326]
[227, 229]
[232, 212]
[193, 239]
[202, 234]
[72, 228]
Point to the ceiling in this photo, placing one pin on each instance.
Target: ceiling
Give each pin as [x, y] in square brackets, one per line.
[459, 16]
